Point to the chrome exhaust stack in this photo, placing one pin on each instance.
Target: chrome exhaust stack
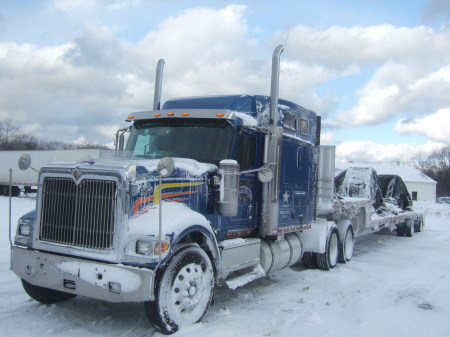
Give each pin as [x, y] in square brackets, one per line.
[158, 85]
[272, 154]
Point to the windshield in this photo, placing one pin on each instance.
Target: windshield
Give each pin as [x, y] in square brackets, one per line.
[207, 141]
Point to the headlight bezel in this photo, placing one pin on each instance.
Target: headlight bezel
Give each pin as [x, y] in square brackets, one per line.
[24, 232]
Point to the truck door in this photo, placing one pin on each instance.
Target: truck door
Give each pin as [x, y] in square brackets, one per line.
[246, 156]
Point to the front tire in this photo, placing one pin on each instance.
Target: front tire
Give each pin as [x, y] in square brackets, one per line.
[183, 291]
[329, 259]
[45, 295]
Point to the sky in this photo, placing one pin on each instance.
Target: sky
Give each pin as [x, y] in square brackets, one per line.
[377, 71]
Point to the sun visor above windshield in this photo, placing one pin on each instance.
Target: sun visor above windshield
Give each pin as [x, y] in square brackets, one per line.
[182, 113]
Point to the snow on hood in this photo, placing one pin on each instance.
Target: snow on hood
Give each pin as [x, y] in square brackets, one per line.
[191, 166]
[175, 216]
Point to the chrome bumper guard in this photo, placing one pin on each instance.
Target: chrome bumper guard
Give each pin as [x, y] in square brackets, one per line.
[108, 282]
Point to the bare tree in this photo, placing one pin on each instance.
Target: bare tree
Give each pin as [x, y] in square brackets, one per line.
[8, 133]
[13, 138]
[437, 167]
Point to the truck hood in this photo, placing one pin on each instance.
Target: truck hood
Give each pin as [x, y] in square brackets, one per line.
[145, 169]
[140, 178]
[187, 184]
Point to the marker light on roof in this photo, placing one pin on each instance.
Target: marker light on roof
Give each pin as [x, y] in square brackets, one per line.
[130, 117]
[219, 114]
[170, 114]
[157, 115]
[185, 114]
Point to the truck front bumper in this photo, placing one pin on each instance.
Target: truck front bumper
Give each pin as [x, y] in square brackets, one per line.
[108, 282]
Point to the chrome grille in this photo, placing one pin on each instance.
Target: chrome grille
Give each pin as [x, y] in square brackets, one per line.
[78, 215]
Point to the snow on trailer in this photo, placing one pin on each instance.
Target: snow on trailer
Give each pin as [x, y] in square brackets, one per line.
[385, 202]
[209, 191]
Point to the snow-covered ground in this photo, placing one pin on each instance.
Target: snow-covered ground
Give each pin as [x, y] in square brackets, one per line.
[392, 287]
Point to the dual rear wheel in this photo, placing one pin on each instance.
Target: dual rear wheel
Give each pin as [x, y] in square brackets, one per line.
[337, 249]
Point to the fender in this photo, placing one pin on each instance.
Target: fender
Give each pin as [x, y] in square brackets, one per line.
[209, 239]
[315, 239]
[178, 223]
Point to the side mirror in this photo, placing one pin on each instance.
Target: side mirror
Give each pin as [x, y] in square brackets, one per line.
[265, 175]
[24, 161]
[165, 166]
[229, 188]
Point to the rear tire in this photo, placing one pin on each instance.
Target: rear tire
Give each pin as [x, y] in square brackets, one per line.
[309, 260]
[346, 245]
[418, 226]
[401, 229]
[45, 295]
[409, 228]
[329, 259]
[15, 191]
[4, 190]
[183, 291]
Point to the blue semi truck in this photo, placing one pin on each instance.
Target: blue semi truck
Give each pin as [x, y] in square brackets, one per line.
[207, 191]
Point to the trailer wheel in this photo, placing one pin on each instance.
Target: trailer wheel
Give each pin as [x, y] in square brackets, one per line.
[329, 259]
[401, 229]
[15, 191]
[408, 228]
[183, 291]
[45, 295]
[4, 190]
[418, 226]
[346, 245]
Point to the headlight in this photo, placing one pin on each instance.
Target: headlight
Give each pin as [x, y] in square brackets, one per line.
[144, 247]
[151, 247]
[24, 232]
[25, 229]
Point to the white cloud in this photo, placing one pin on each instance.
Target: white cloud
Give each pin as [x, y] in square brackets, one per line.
[399, 89]
[338, 47]
[108, 131]
[73, 5]
[371, 152]
[90, 84]
[435, 126]
[98, 79]
[403, 61]
[327, 137]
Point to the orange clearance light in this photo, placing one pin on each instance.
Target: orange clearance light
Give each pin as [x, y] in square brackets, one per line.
[130, 117]
[157, 115]
[219, 114]
[170, 114]
[185, 114]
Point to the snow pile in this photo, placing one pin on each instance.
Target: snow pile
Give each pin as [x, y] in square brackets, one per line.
[392, 287]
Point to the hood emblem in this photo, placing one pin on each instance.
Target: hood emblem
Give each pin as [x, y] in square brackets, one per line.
[76, 174]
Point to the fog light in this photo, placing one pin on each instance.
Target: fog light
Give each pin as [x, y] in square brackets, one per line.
[25, 229]
[143, 247]
[114, 287]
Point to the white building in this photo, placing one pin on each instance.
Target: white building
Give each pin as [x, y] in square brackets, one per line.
[420, 186]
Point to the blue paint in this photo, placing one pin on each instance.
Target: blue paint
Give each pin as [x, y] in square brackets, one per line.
[298, 164]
